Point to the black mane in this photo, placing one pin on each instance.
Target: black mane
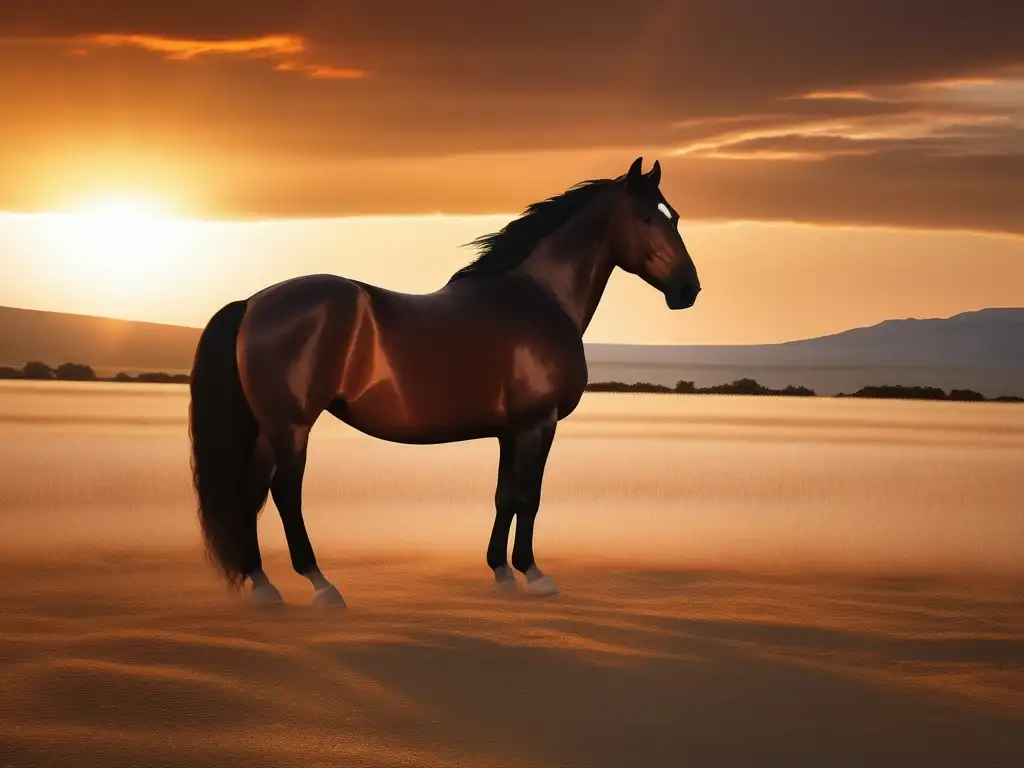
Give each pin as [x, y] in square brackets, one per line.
[505, 249]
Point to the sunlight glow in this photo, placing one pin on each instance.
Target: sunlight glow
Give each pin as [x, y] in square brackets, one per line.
[119, 249]
[124, 205]
[119, 239]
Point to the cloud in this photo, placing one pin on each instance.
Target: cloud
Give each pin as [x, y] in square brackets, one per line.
[828, 97]
[287, 51]
[259, 47]
[321, 71]
[951, 117]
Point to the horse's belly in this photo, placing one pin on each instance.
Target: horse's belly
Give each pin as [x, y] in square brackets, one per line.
[395, 425]
[420, 412]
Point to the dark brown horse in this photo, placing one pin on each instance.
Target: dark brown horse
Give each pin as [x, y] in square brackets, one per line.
[497, 352]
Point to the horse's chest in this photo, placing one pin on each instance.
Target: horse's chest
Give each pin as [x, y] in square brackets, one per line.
[540, 379]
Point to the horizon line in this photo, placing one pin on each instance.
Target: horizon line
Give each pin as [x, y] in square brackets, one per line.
[115, 318]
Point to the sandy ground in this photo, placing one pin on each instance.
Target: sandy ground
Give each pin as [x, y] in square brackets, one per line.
[140, 660]
[746, 582]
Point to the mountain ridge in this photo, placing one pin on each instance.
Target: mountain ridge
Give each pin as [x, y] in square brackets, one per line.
[990, 337]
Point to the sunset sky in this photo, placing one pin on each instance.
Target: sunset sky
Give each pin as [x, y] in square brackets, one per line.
[835, 162]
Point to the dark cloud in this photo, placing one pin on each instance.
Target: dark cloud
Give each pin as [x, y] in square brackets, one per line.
[720, 79]
[175, 18]
[910, 187]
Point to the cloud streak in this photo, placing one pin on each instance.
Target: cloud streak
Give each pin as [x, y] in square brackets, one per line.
[182, 49]
[949, 118]
[290, 53]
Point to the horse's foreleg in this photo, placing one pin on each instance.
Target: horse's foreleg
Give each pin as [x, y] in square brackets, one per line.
[524, 454]
[286, 489]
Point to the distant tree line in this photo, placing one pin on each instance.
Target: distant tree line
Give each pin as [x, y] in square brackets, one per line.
[37, 371]
[890, 391]
[738, 387]
[752, 387]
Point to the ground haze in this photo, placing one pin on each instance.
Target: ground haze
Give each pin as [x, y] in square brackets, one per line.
[747, 581]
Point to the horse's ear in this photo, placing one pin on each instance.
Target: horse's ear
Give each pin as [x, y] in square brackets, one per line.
[634, 174]
[654, 175]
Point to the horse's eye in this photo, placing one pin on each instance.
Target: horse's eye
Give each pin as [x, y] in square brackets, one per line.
[647, 219]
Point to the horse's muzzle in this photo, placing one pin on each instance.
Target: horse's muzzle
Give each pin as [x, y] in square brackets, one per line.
[681, 291]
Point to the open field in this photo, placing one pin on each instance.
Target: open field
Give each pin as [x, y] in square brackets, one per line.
[747, 581]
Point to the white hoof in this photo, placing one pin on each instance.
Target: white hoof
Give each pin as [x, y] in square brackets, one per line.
[328, 597]
[266, 593]
[505, 581]
[507, 587]
[544, 586]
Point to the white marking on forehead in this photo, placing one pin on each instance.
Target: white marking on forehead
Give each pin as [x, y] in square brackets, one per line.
[664, 209]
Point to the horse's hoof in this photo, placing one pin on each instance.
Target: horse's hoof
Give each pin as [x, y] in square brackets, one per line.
[328, 597]
[266, 593]
[507, 587]
[545, 586]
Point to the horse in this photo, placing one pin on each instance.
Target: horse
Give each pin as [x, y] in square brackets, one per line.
[497, 352]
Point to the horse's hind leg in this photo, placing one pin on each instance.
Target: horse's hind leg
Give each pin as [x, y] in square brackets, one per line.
[261, 469]
[286, 488]
[504, 512]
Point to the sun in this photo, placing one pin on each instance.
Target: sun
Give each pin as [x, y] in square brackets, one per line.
[118, 240]
[124, 207]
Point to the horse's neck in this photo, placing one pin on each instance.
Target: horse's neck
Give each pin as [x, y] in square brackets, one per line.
[575, 263]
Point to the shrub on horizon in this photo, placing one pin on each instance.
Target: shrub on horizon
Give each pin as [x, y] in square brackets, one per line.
[38, 371]
[75, 372]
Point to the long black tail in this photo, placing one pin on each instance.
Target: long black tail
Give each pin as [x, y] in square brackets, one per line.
[224, 433]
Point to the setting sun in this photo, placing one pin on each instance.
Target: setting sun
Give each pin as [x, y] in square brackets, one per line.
[119, 233]
[118, 240]
[124, 207]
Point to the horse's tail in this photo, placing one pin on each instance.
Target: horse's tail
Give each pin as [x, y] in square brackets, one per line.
[224, 433]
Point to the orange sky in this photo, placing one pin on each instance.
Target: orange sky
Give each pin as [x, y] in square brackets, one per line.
[903, 116]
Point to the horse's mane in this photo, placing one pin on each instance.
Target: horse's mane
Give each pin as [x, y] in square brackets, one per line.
[505, 249]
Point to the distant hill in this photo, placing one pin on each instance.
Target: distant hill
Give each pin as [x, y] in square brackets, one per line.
[982, 350]
[104, 343]
[987, 338]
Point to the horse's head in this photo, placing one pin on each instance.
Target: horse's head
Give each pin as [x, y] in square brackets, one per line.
[648, 243]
